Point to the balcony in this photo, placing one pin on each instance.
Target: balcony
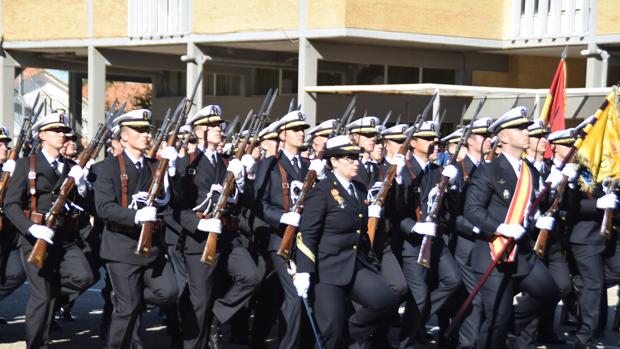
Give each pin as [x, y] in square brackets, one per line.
[158, 19]
[549, 22]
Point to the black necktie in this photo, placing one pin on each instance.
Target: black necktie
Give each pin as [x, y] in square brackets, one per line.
[368, 167]
[352, 191]
[426, 169]
[139, 167]
[55, 167]
[296, 165]
[213, 161]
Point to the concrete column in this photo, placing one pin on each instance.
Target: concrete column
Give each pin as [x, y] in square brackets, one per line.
[307, 76]
[195, 60]
[75, 98]
[7, 91]
[96, 91]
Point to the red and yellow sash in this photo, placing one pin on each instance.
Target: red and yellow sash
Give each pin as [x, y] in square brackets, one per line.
[516, 212]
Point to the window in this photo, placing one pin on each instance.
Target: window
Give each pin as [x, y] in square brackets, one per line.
[209, 84]
[438, 76]
[227, 85]
[371, 75]
[329, 78]
[289, 82]
[403, 75]
[264, 79]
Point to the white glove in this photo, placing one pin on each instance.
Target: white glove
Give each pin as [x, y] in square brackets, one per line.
[555, 177]
[42, 232]
[608, 201]
[236, 168]
[374, 191]
[290, 218]
[249, 163]
[545, 223]
[211, 225]
[227, 148]
[9, 166]
[570, 171]
[425, 228]
[89, 164]
[399, 161]
[318, 166]
[146, 214]
[450, 171]
[374, 211]
[79, 175]
[169, 153]
[514, 231]
[302, 284]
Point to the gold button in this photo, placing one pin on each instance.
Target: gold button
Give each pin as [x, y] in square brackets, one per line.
[358, 231]
[354, 247]
[360, 215]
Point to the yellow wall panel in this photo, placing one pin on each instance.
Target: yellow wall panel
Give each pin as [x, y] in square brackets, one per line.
[607, 17]
[325, 14]
[489, 78]
[44, 19]
[110, 18]
[462, 18]
[215, 16]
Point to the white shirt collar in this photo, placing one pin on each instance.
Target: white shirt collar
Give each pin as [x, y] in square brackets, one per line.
[49, 158]
[290, 157]
[474, 161]
[421, 162]
[133, 159]
[208, 153]
[345, 183]
[515, 163]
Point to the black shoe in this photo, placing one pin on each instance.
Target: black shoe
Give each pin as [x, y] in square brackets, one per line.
[579, 345]
[65, 314]
[550, 338]
[215, 337]
[54, 326]
[176, 342]
[3, 321]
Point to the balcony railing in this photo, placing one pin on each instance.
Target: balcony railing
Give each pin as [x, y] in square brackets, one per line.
[158, 19]
[545, 21]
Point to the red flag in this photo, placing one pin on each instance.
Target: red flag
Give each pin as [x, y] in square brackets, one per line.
[554, 109]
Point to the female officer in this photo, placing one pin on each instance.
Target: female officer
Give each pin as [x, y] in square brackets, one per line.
[333, 249]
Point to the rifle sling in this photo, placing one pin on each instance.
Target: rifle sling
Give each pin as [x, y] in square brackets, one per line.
[285, 188]
[32, 184]
[123, 170]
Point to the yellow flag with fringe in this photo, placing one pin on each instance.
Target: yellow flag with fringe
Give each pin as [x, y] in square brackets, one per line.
[600, 150]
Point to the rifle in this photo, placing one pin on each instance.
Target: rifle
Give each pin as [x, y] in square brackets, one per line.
[159, 136]
[146, 233]
[261, 124]
[608, 215]
[511, 241]
[208, 254]
[386, 119]
[291, 105]
[24, 131]
[424, 258]
[112, 114]
[230, 128]
[391, 174]
[37, 255]
[286, 245]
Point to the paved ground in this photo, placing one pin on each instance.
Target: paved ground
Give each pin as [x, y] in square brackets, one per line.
[83, 333]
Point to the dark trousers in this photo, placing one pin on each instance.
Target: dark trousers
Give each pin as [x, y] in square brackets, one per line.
[267, 300]
[497, 295]
[430, 288]
[135, 285]
[245, 276]
[558, 267]
[598, 270]
[468, 332]
[12, 273]
[65, 272]
[291, 308]
[367, 289]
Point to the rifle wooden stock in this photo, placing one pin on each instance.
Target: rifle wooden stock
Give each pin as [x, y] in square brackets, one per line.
[208, 254]
[146, 231]
[424, 258]
[373, 222]
[608, 216]
[541, 241]
[286, 245]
